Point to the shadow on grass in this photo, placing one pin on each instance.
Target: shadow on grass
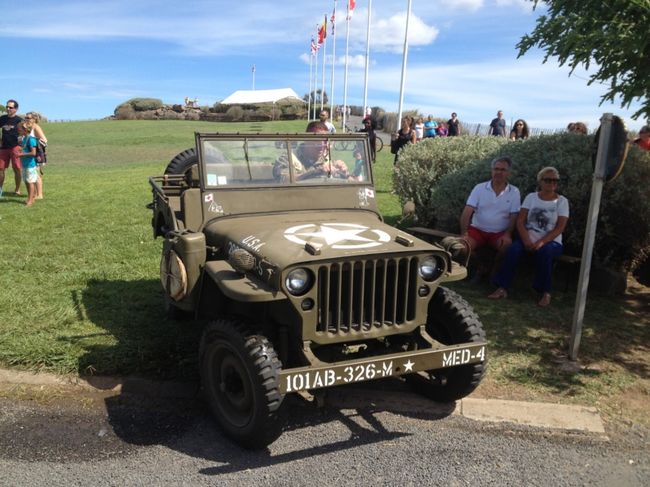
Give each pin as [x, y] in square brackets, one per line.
[529, 346]
[139, 338]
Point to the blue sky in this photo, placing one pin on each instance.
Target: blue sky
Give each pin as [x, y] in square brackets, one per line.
[79, 60]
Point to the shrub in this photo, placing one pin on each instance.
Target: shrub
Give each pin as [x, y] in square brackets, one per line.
[171, 115]
[148, 115]
[144, 104]
[623, 231]
[125, 112]
[234, 113]
[220, 108]
[421, 166]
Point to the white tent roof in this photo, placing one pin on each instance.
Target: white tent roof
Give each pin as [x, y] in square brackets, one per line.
[260, 96]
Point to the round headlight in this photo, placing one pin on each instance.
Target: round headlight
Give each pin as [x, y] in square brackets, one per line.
[429, 268]
[298, 281]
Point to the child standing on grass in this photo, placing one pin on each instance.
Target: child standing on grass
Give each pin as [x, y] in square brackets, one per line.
[35, 118]
[28, 160]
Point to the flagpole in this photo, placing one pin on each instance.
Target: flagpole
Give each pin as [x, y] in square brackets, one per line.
[315, 80]
[365, 83]
[345, 72]
[311, 62]
[402, 81]
[332, 115]
[322, 93]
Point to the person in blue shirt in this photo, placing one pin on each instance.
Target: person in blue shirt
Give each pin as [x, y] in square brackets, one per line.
[430, 127]
[28, 160]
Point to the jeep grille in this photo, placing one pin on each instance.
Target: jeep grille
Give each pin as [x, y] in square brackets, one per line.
[361, 296]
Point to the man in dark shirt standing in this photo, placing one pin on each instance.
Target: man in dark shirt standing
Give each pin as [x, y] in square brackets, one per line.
[10, 147]
[498, 125]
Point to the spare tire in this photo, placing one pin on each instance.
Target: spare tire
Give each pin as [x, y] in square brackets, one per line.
[182, 162]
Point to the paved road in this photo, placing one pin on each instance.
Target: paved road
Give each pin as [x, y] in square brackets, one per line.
[360, 438]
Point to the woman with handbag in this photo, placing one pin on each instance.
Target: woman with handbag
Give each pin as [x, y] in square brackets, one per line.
[399, 139]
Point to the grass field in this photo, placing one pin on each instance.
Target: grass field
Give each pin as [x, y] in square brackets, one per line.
[79, 273]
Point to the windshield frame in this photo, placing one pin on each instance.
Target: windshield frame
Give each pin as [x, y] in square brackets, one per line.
[350, 149]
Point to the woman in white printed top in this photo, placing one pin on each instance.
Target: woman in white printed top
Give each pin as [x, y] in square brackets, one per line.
[540, 223]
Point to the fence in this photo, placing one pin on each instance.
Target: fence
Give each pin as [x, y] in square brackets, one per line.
[483, 129]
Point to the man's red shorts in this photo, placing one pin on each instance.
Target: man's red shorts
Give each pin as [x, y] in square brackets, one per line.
[484, 238]
[10, 155]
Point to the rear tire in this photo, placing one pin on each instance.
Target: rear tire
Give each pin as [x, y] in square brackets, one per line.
[451, 321]
[239, 375]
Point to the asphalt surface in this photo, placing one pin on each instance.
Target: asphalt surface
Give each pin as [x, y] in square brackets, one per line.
[72, 435]
[545, 415]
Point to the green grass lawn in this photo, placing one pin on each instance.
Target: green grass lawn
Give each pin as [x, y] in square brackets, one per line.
[79, 274]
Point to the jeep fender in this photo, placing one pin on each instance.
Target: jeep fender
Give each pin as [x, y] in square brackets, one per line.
[238, 286]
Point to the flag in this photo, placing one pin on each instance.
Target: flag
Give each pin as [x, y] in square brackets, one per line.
[314, 47]
[322, 31]
[351, 5]
[253, 68]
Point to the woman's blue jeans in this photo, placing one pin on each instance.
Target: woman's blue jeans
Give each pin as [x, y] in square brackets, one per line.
[543, 265]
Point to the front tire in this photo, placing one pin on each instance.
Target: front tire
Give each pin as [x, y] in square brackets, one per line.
[451, 321]
[239, 375]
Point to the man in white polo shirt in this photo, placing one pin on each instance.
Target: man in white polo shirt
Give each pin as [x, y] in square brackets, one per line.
[491, 210]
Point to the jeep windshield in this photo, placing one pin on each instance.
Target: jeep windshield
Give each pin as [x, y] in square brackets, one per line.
[235, 160]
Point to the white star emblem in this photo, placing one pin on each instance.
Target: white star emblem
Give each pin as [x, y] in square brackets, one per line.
[408, 366]
[336, 235]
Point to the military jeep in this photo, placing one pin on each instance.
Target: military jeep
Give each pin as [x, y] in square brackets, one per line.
[276, 243]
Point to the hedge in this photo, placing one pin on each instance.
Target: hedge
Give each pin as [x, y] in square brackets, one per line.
[438, 175]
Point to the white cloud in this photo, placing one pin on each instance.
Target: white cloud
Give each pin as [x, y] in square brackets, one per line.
[543, 94]
[387, 34]
[469, 5]
[525, 5]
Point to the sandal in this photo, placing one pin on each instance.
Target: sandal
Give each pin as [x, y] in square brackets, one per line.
[500, 293]
[545, 300]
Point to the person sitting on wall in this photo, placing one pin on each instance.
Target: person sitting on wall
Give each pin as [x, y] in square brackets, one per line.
[543, 217]
[490, 213]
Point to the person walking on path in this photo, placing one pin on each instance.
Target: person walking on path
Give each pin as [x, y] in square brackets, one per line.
[324, 117]
[519, 131]
[430, 127]
[491, 210]
[399, 139]
[453, 125]
[498, 125]
[10, 148]
[543, 217]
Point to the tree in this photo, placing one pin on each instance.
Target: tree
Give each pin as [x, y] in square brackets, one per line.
[612, 35]
[315, 96]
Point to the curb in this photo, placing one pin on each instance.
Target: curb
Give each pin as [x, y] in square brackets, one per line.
[537, 414]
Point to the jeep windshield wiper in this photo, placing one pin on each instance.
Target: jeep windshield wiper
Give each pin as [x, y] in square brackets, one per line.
[248, 162]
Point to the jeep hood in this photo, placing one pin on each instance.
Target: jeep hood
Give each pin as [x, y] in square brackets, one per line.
[289, 238]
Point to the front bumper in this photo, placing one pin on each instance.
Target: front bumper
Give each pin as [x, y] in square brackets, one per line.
[392, 365]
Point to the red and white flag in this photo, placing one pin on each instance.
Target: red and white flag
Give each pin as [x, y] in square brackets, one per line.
[351, 5]
[314, 47]
[322, 31]
[333, 20]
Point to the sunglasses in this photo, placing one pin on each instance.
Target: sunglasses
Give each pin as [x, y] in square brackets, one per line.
[550, 180]
[11, 108]
[519, 124]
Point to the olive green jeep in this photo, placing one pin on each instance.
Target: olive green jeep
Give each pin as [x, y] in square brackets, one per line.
[276, 242]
